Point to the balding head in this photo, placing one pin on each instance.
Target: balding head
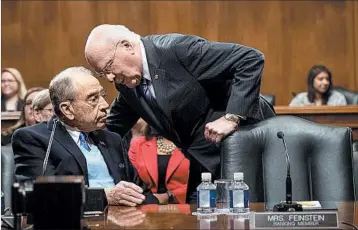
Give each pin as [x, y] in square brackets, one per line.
[63, 86]
[102, 40]
[116, 53]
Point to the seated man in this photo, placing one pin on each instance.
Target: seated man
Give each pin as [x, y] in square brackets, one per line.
[80, 145]
[41, 106]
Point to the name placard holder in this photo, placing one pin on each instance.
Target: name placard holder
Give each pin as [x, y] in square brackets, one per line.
[294, 220]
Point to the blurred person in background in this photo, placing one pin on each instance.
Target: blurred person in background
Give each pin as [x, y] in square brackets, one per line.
[161, 165]
[138, 130]
[41, 106]
[13, 90]
[26, 117]
[320, 90]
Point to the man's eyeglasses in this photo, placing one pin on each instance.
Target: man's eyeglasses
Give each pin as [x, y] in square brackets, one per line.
[48, 110]
[105, 69]
[93, 100]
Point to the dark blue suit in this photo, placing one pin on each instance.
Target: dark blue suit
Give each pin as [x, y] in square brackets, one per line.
[30, 144]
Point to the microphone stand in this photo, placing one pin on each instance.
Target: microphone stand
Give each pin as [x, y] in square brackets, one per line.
[287, 206]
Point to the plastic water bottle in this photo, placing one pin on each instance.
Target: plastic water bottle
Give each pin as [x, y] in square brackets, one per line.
[239, 195]
[206, 195]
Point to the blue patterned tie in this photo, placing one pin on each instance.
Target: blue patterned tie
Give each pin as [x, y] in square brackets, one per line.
[83, 142]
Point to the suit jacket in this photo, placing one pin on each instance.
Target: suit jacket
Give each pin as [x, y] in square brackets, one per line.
[30, 144]
[195, 82]
[143, 155]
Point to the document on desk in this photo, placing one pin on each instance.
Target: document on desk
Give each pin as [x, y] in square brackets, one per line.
[314, 204]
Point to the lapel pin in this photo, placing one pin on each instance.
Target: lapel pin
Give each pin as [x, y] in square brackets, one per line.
[102, 143]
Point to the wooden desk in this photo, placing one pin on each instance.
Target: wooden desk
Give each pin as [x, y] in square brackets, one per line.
[179, 217]
[9, 118]
[346, 116]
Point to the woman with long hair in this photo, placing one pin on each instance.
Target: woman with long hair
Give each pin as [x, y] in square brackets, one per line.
[13, 90]
[320, 90]
[26, 117]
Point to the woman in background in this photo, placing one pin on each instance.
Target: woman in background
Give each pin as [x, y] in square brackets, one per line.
[320, 90]
[13, 90]
[26, 117]
[160, 165]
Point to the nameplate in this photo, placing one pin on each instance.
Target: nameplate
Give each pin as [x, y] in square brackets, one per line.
[288, 220]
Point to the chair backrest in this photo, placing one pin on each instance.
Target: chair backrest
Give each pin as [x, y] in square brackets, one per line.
[351, 97]
[270, 98]
[7, 173]
[267, 110]
[355, 163]
[320, 155]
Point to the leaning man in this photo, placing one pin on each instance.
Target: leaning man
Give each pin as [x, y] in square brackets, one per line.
[80, 145]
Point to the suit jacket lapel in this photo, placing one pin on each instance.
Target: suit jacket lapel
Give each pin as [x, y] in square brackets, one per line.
[160, 85]
[150, 158]
[141, 106]
[99, 141]
[65, 139]
[174, 162]
[158, 76]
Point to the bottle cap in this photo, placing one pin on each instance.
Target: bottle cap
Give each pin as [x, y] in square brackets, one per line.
[206, 176]
[238, 176]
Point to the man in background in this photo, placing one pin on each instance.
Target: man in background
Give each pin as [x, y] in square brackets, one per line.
[41, 106]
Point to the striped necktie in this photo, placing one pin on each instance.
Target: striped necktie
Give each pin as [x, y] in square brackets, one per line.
[83, 142]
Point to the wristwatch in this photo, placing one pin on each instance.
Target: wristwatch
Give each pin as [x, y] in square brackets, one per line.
[232, 117]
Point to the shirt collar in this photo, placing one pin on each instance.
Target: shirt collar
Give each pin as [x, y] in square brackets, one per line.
[146, 73]
[73, 133]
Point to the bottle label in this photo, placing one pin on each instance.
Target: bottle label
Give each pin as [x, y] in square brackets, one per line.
[239, 198]
[212, 198]
[206, 199]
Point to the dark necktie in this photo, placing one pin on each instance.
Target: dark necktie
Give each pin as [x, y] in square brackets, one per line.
[145, 92]
[83, 142]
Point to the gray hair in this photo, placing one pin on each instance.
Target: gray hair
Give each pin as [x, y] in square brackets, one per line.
[41, 100]
[62, 88]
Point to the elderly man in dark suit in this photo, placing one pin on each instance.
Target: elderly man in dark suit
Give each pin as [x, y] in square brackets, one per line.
[192, 91]
[80, 145]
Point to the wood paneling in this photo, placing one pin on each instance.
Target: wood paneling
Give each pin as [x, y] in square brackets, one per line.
[355, 39]
[345, 116]
[40, 38]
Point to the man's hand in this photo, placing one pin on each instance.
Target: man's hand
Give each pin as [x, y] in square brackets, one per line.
[215, 131]
[125, 193]
[163, 198]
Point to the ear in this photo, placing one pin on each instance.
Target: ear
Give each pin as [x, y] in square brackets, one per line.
[127, 46]
[67, 110]
[37, 116]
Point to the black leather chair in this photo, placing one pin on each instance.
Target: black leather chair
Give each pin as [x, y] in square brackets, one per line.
[351, 97]
[355, 162]
[270, 98]
[321, 160]
[7, 173]
[266, 108]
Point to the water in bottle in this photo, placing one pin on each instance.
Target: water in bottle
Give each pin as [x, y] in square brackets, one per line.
[206, 195]
[239, 195]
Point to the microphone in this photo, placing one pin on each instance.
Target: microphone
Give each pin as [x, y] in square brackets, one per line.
[44, 166]
[288, 205]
